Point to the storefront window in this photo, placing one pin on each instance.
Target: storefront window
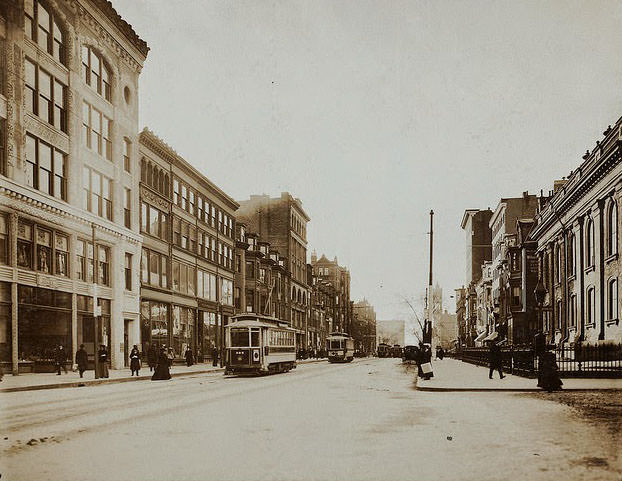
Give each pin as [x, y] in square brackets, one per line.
[154, 324]
[5, 322]
[44, 322]
[61, 245]
[209, 333]
[44, 250]
[183, 329]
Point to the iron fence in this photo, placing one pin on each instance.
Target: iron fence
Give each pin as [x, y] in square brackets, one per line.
[604, 360]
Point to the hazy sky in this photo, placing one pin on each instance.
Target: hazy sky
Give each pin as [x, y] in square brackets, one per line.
[375, 112]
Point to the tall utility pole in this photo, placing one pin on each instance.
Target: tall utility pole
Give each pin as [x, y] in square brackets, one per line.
[427, 335]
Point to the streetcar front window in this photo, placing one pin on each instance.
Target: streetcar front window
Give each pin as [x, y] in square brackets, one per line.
[255, 337]
[335, 344]
[239, 338]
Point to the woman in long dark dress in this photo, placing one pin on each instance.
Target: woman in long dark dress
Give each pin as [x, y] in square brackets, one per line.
[189, 357]
[162, 370]
[152, 357]
[135, 360]
[548, 375]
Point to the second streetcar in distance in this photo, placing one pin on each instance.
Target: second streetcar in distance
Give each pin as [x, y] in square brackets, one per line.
[340, 347]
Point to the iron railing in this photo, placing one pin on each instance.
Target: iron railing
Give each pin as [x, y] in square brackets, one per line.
[603, 360]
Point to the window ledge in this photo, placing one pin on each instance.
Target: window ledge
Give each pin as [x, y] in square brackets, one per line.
[572, 277]
[590, 269]
[612, 322]
[591, 325]
[611, 258]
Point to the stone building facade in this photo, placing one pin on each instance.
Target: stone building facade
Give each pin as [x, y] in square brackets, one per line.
[364, 326]
[332, 274]
[187, 258]
[70, 242]
[578, 249]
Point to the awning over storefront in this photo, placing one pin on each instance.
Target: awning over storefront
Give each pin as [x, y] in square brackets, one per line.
[481, 336]
[493, 336]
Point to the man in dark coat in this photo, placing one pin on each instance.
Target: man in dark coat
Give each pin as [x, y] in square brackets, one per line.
[102, 358]
[494, 358]
[426, 358]
[135, 360]
[60, 358]
[82, 359]
[162, 371]
[189, 357]
[214, 355]
[152, 357]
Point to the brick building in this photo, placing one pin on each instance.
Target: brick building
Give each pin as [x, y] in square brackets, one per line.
[282, 222]
[478, 248]
[364, 326]
[69, 238]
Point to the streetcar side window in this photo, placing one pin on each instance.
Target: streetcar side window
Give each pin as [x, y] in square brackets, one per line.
[255, 337]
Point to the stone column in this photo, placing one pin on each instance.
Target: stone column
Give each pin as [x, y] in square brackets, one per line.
[14, 297]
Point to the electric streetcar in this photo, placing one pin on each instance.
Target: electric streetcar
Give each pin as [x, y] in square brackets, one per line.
[258, 344]
[340, 347]
[384, 350]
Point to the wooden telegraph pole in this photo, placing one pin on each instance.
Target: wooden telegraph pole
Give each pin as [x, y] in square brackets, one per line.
[427, 335]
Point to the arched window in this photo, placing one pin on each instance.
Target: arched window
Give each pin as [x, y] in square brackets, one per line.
[612, 229]
[143, 170]
[612, 299]
[42, 26]
[304, 298]
[299, 298]
[161, 182]
[558, 263]
[591, 306]
[589, 244]
[293, 293]
[570, 255]
[166, 185]
[95, 72]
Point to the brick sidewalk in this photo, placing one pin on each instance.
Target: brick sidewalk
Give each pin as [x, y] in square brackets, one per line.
[454, 375]
[32, 382]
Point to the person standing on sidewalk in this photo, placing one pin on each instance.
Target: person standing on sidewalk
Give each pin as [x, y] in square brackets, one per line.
[189, 357]
[494, 358]
[102, 357]
[548, 374]
[61, 358]
[214, 355]
[152, 357]
[82, 359]
[135, 360]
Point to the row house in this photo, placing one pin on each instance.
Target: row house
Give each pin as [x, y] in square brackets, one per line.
[460, 297]
[282, 223]
[187, 258]
[322, 313]
[503, 229]
[482, 306]
[69, 221]
[338, 277]
[578, 245]
[261, 276]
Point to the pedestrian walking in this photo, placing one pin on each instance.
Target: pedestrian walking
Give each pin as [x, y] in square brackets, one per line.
[135, 360]
[494, 359]
[60, 358]
[440, 353]
[152, 357]
[214, 355]
[82, 359]
[189, 357]
[162, 370]
[102, 360]
[548, 374]
[171, 356]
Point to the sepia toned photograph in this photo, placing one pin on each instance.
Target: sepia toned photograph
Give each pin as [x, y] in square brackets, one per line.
[310, 240]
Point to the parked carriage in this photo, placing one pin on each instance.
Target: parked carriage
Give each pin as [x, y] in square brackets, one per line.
[258, 344]
[384, 350]
[340, 347]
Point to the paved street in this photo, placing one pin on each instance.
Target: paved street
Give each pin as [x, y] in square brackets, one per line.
[352, 421]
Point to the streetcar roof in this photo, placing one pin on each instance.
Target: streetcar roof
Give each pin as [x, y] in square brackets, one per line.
[259, 318]
[245, 323]
[338, 336]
